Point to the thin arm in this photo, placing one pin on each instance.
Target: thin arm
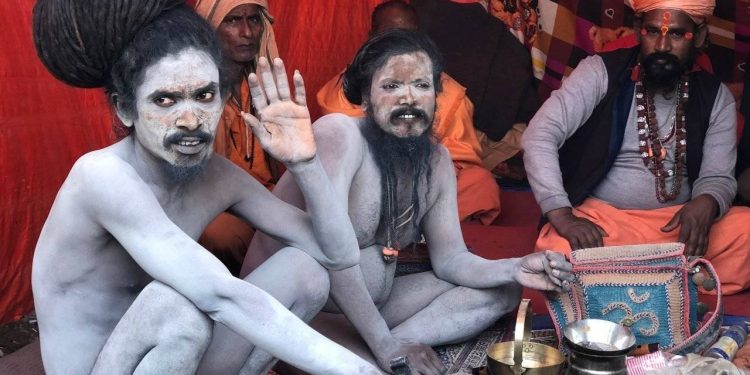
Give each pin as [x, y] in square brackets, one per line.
[166, 253]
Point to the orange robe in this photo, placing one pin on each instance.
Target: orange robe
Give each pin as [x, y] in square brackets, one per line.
[478, 193]
[234, 139]
[728, 242]
[228, 237]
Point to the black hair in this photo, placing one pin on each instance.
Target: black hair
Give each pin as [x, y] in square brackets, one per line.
[110, 44]
[404, 164]
[376, 51]
[397, 4]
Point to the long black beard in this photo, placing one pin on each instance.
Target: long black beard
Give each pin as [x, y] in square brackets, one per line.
[404, 162]
[665, 77]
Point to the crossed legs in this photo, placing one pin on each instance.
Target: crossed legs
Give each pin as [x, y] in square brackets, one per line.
[161, 333]
[164, 333]
[423, 300]
[291, 276]
[418, 301]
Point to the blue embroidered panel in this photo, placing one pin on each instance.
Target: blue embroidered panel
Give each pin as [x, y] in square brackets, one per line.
[654, 297]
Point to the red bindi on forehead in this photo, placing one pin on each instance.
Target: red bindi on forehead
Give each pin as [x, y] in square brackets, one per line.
[666, 26]
[666, 20]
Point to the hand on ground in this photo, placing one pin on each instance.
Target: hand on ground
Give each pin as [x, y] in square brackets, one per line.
[546, 270]
[580, 232]
[695, 219]
[422, 359]
[282, 125]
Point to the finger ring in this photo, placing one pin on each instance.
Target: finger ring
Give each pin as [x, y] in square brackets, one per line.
[399, 364]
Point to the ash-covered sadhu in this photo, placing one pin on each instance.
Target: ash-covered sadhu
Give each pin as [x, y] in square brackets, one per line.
[120, 285]
[399, 186]
[478, 193]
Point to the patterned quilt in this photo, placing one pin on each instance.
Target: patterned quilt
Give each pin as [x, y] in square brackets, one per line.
[569, 30]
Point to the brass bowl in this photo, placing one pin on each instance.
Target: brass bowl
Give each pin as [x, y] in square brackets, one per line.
[537, 359]
[522, 356]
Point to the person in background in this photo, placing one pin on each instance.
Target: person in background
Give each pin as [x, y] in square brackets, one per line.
[244, 29]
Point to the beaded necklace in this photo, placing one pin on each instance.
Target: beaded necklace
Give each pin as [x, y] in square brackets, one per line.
[390, 252]
[249, 140]
[651, 146]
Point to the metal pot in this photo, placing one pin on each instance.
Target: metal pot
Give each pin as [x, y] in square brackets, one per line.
[522, 356]
[597, 347]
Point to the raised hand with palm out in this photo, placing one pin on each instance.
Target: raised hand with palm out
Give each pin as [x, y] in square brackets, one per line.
[282, 124]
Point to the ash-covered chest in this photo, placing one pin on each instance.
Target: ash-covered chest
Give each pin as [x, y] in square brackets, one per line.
[366, 209]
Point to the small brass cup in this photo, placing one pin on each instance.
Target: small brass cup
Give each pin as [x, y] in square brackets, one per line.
[522, 356]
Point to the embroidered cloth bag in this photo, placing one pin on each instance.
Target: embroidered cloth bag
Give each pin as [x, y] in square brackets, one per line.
[648, 288]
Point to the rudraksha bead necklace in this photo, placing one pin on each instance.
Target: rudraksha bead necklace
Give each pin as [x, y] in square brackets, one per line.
[651, 146]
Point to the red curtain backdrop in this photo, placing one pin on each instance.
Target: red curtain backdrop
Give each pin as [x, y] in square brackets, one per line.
[45, 126]
[320, 37]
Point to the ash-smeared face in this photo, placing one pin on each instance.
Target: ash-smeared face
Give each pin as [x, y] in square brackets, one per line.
[402, 95]
[179, 106]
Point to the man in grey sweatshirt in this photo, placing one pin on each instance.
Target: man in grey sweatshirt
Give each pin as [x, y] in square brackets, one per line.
[639, 146]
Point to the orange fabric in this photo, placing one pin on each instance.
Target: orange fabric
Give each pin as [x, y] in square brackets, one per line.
[626, 41]
[228, 237]
[331, 99]
[697, 9]
[454, 126]
[232, 142]
[728, 243]
[478, 193]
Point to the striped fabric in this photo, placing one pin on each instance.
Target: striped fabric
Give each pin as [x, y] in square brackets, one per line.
[646, 364]
[570, 30]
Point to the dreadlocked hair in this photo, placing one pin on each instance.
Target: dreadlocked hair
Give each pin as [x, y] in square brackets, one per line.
[111, 43]
[78, 40]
